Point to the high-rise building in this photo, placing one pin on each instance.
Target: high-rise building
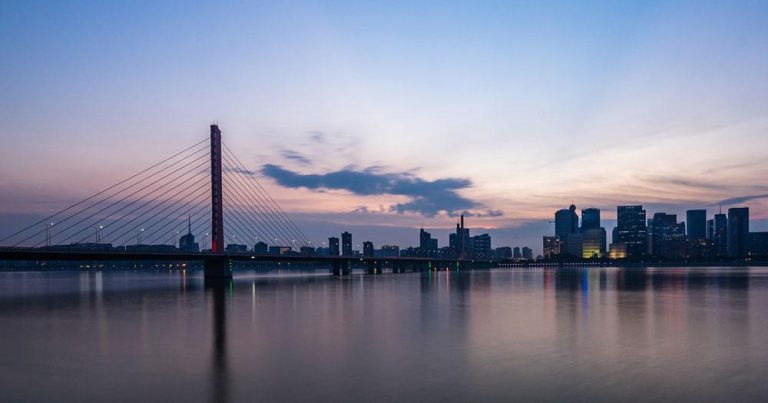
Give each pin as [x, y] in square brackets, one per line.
[527, 253]
[346, 244]
[333, 246]
[566, 223]
[738, 231]
[481, 246]
[260, 248]
[758, 244]
[427, 244]
[590, 218]
[461, 240]
[389, 251]
[516, 253]
[631, 230]
[720, 236]
[187, 242]
[667, 236]
[710, 229]
[551, 246]
[696, 224]
[368, 249]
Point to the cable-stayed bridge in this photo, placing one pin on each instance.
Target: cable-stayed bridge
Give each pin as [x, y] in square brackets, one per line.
[204, 193]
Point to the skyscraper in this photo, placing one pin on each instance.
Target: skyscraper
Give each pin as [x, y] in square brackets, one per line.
[590, 218]
[481, 246]
[333, 246]
[461, 240]
[527, 253]
[346, 244]
[738, 231]
[427, 244]
[566, 223]
[720, 236]
[631, 229]
[667, 236]
[696, 224]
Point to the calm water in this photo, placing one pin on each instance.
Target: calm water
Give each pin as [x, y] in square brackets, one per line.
[522, 335]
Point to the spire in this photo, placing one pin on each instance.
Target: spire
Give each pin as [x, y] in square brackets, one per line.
[189, 224]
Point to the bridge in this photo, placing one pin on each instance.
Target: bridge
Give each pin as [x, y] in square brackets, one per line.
[203, 188]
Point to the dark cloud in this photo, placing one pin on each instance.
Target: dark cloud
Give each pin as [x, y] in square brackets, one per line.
[685, 182]
[295, 156]
[427, 197]
[741, 199]
[318, 137]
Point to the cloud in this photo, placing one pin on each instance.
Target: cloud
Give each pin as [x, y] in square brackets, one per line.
[685, 182]
[318, 137]
[428, 198]
[241, 171]
[295, 156]
[741, 199]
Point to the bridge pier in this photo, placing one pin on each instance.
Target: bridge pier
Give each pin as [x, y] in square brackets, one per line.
[371, 267]
[378, 267]
[395, 267]
[217, 268]
[346, 268]
[336, 269]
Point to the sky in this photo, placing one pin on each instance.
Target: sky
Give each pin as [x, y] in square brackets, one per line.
[383, 117]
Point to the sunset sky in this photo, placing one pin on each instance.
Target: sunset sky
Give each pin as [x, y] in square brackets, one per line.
[380, 117]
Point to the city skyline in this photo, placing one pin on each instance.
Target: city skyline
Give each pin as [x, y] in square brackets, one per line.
[505, 111]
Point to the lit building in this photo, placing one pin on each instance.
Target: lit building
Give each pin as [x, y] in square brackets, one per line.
[617, 251]
[593, 243]
[551, 246]
[346, 244]
[631, 230]
[333, 246]
[738, 231]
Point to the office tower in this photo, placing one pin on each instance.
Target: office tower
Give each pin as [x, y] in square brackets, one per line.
[590, 219]
[427, 244]
[527, 253]
[631, 230]
[367, 249]
[187, 242]
[516, 253]
[481, 246]
[390, 250]
[667, 236]
[346, 244]
[551, 246]
[738, 231]
[575, 245]
[333, 246]
[696, 223]
[566, 223]
[720, 237]
[710, 229]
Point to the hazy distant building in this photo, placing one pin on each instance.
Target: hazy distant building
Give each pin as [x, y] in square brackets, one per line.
[346, 244]
[427, 245]
[368, 249]
[187, 242]
[389, 251]
[503, 252]
[631, 230]
[260, 248]
[233, 247]
[307, 250]
[516, 253]
[460, 241]
[551, 246]
[333, 246]
[527, 253]
[738, 231]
